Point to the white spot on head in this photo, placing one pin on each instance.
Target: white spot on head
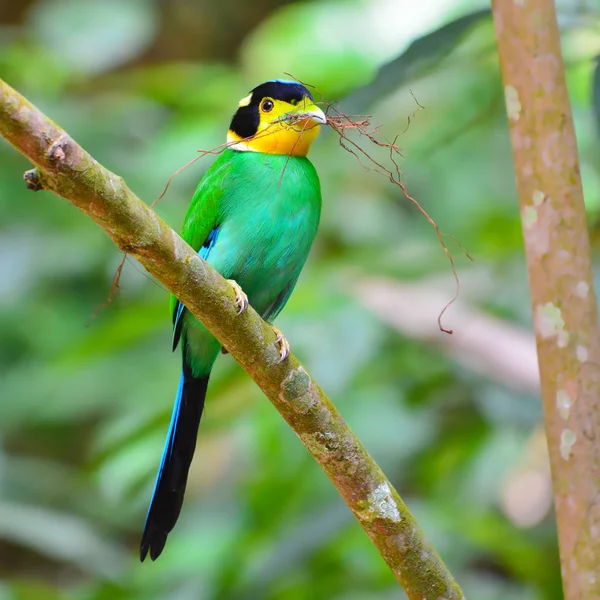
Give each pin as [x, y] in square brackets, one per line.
[549, 323]
[538, 197]
[582, 353]
[246, 100]
[513, 104]
[382, 502]
[567, 440]
[582, 289]
[563, 404]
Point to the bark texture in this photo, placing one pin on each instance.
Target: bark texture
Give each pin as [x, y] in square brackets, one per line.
[559, 267]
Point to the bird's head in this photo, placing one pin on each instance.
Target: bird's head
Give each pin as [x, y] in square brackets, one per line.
[277, 117]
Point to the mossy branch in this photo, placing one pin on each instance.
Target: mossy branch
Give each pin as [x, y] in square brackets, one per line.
[560, 276]
[69, 171]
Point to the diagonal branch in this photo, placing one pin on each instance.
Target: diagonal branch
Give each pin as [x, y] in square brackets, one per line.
[69, 171]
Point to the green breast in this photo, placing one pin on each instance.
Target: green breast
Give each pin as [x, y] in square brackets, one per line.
[269, 216]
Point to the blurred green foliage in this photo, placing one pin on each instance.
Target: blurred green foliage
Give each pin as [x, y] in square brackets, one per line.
[87, 393]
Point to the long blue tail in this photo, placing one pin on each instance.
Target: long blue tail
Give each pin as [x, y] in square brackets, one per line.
[169, 490]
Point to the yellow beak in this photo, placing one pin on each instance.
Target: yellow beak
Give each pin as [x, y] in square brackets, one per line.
[304, 115]
[314, 113]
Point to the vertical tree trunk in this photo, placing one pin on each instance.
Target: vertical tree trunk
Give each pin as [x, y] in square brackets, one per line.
[559, 266]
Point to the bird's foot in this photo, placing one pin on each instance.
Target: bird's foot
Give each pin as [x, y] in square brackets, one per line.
[284, 345]
[241, 300]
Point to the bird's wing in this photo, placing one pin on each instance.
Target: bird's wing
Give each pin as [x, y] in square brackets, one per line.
[277, 305]
[201, 227]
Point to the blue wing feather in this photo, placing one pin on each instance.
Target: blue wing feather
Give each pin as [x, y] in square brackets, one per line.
[169, 489]
[204, 252]
[170, 440]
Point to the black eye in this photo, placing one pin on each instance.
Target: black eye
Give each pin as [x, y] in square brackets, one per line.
[267, 106]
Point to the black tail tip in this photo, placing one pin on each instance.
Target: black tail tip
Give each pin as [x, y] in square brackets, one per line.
[153, 544]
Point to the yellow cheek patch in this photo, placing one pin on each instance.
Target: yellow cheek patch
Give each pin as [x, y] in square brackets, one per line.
[285, 139]
[279, 138]
[245, 101]
[275, 135]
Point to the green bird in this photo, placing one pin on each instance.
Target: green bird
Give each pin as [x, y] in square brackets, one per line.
[253, 218]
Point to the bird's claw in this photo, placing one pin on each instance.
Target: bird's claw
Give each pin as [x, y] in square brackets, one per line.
[284, 345]
[241, 300]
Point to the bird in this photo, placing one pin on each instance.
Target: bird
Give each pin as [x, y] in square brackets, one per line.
[253, 218]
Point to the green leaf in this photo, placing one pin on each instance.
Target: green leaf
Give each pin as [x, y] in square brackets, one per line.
[423, 54]
[93, 37]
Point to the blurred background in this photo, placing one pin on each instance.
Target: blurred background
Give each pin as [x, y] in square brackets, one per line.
[86, 390]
